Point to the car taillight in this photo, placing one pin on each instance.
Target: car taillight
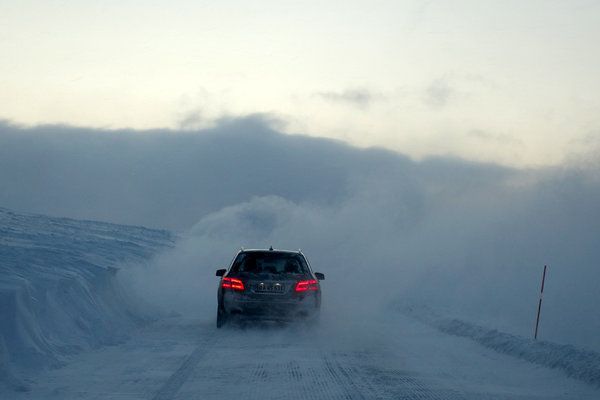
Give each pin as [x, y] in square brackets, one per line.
[307, 285]
[230, 283]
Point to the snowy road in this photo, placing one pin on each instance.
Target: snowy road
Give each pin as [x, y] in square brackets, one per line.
[394, 358]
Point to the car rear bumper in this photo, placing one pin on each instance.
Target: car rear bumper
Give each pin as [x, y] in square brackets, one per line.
[274, 308]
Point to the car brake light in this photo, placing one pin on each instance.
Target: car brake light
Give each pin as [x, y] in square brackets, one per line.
[307, 285]
[230, 283]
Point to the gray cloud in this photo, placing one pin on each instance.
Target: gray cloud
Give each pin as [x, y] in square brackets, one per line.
[360, 98]
[439, 93]
[493, 137]
[168, 178]
[453, 87]
[591, 139]
[191, 120]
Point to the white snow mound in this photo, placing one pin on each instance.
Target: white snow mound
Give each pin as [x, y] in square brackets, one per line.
[58, 292]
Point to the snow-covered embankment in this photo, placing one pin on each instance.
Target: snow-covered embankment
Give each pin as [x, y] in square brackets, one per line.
[576, 362]
[58, 292]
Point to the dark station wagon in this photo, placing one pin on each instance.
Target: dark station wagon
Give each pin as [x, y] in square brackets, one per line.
[268, 285]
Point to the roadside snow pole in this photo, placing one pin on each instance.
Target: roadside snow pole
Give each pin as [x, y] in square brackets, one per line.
[540, 305]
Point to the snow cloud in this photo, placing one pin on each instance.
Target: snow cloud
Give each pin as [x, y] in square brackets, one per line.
[452, 236]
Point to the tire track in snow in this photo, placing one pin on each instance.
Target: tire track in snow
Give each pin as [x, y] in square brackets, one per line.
[343, 377]
[174, 383]
[406, 386]
[278, 366]
[365, 378]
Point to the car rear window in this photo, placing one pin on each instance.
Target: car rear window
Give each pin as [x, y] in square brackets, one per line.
[269, 262]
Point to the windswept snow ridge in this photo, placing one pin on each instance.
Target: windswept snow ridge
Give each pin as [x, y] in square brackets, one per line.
[58, 292]
[577, 363]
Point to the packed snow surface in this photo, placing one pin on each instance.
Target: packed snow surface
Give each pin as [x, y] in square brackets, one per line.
[392, 358]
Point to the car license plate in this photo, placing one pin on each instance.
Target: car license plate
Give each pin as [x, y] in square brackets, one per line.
[269, 288]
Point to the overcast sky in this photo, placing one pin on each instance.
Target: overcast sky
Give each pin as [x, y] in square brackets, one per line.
[514, 82]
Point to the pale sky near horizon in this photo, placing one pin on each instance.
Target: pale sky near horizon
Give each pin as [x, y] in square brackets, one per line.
[513, 82]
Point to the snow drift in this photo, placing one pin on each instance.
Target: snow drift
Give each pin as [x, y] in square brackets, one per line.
[58, 292]
[575, 362]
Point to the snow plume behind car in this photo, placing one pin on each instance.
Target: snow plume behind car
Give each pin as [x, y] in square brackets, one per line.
[464, 238]
[467, 252]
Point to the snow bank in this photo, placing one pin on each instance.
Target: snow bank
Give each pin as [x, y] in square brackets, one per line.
[575, 362]
[58, 292]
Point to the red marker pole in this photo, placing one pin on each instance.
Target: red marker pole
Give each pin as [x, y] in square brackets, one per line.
[540, 305]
